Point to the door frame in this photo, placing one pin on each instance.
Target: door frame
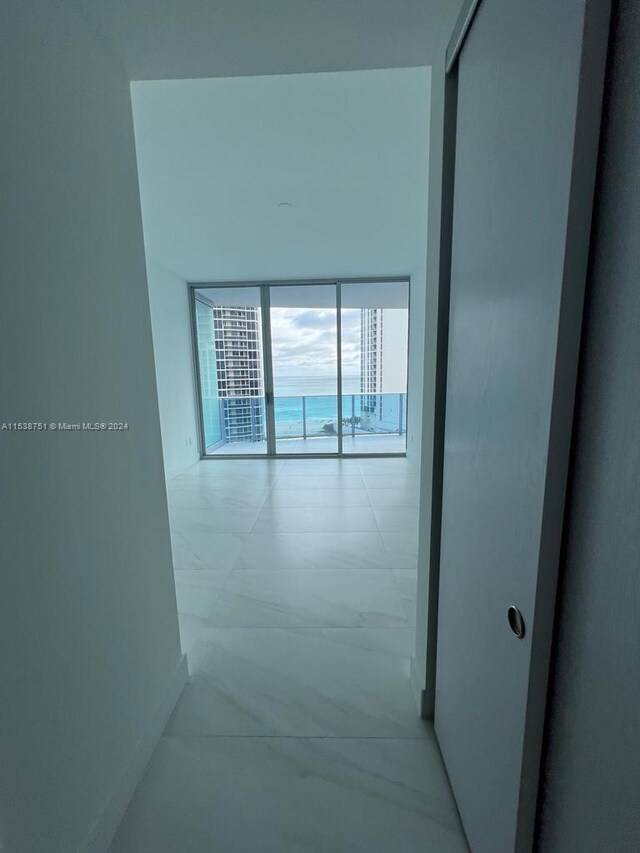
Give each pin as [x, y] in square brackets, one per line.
[264, 286]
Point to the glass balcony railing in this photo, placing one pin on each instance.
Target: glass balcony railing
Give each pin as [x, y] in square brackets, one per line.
[243, 419]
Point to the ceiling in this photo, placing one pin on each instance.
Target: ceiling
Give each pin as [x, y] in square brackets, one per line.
[166, 39]
[347, 151]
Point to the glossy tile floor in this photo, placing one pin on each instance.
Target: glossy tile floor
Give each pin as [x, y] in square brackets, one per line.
[297, 731]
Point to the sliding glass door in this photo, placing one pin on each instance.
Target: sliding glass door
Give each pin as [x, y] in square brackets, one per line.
[302, 368]
[375, 341]
[228, 326]
[304, 355]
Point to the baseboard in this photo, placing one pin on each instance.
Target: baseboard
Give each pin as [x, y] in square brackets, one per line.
[417, 686]
[115, 807]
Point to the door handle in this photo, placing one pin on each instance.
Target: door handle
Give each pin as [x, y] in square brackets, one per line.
[516, 621]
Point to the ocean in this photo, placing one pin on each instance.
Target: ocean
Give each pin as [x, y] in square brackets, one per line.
[320, 408]
[311, 386]
[320, 394]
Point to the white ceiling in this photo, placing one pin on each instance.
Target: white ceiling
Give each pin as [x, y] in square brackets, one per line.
[165, 39]
[348, 151]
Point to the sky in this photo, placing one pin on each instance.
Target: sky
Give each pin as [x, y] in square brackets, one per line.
[304, 341]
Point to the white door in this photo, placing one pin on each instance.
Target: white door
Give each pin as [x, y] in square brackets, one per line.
[529, 93]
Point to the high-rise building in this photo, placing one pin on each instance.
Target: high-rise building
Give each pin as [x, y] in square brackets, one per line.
[383, 366]
[239, 372]
[230, 372]
[370, 361]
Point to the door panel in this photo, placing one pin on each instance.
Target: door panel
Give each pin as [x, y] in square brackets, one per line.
[228, 327]
[304, 355]
[519, 253]
[375, 341]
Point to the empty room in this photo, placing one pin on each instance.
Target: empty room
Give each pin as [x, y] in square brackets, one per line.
[319, 426]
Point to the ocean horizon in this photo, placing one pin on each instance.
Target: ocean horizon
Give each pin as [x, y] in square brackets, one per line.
[312, 386]
[321, 401]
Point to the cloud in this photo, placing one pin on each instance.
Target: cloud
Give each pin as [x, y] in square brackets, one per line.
[315, 320]
[304, 341]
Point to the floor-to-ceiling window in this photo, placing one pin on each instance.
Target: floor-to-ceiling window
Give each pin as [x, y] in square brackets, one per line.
[375, 341]
[228, 326]
[302, 368]
[304, 355]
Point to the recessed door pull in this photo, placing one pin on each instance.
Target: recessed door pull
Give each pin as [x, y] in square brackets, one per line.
[516, 621]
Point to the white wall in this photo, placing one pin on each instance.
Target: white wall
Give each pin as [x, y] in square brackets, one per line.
[88, 625]
[172, 350]
[592, 771]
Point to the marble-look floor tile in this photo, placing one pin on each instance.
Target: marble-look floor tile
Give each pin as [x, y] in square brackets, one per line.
[233, 467]
[197, 590]
[228, 520]
[228, 482]
[196, 594]
[201, 497]
[326, 519]
[226, 473]
[401, 549]
[406, 583]
[347, 682]
[317, 497]
[391, 481]
[183, 556]
[269, 551]
[196, 550]
[309, 634]
[319, 481]
[327, 598]
[385, 467]
[242, 467]
[292, 795]
[190, 629]
[397, 520]
[319, 466]
[394, 497]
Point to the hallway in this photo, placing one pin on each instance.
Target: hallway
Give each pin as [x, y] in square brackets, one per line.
[297, 731]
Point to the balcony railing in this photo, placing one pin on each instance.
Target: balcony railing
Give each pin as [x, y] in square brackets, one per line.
[234, 419]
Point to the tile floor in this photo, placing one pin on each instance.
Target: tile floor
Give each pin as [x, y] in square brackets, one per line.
[297, 730]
